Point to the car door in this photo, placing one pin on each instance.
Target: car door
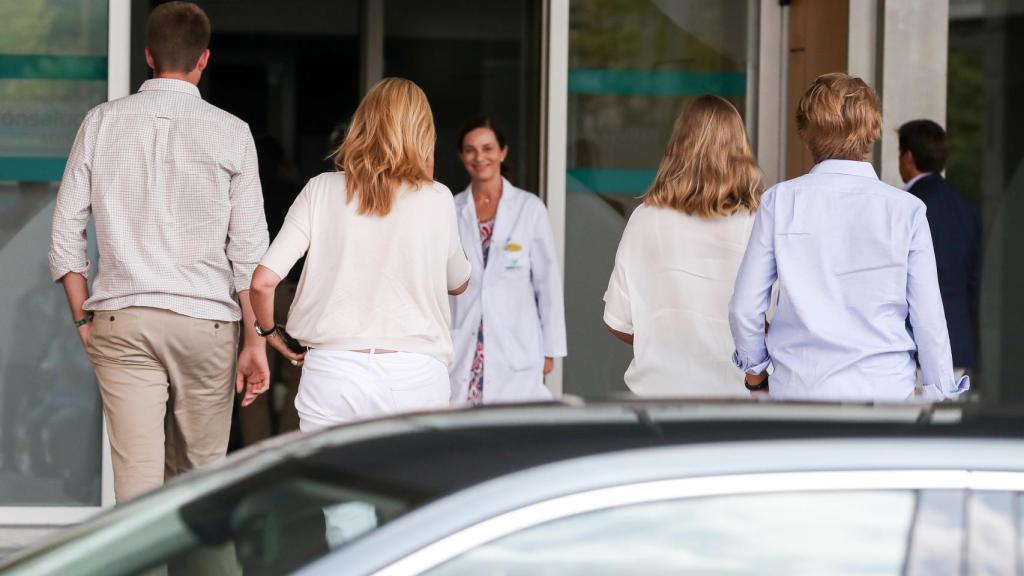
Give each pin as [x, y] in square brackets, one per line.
[854, 522]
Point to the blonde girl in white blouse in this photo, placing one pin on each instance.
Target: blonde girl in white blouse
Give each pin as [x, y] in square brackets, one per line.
[382, 255]
[674, 270]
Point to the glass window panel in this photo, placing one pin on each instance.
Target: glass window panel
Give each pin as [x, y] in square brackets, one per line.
[800, 533]
[937, 541]
[1018, 514]
[990, 541]
[986, 165]
[633, 64]
[271, 523]
[53, 68]
[471, 59]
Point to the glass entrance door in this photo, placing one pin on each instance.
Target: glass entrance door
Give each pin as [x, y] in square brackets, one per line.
[53, 68]
[633, 64]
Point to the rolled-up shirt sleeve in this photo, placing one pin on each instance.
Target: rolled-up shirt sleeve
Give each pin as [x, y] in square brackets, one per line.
[247, 228]
[753, 291]
[458, 266]
[69, 246]
[927, 318]
[292, 242]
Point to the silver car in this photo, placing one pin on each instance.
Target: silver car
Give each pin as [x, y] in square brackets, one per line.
[626, 488]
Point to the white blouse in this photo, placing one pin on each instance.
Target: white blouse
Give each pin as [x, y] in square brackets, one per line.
[372, 281]
[670, 288]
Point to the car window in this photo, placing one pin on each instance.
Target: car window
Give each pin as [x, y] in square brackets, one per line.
[1018, 512]
[936, 542]
[854, 532]
[991, 534]
[270, 524]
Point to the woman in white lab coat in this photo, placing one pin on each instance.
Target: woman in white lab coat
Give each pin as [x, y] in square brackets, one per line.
[509, 325]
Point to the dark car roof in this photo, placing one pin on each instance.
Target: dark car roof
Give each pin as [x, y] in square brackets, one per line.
[435, 454]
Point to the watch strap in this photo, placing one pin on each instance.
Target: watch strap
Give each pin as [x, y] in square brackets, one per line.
[83, 321]
[264, 333]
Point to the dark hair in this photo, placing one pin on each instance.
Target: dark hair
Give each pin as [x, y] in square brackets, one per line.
[926, 140]
[177, 33]
[489, 123]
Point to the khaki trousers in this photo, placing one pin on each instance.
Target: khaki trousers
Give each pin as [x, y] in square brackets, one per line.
[167, 384]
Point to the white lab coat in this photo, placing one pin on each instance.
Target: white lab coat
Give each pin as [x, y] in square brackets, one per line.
[519, 296]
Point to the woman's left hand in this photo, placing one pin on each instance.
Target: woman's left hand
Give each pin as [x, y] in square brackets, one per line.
[549, 365]
[278, 344]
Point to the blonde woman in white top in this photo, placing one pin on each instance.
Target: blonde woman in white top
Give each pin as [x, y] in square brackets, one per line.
[674, 270]
[382, 255]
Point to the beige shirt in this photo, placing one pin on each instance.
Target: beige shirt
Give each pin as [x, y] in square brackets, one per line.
[670, 288]
[371, 281]
[173, 185]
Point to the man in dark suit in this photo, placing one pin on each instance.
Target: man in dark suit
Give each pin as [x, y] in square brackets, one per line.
[956, 233]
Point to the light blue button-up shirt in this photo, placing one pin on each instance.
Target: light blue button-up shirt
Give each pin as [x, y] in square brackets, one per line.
[854, 260]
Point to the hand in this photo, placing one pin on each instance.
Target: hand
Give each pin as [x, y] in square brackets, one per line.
[253, 374]
[85, 333]
[278, 344]
[549, 365]
[755, 379]
[757, 384]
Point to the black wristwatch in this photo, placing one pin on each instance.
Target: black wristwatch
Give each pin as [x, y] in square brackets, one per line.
[755, 387]
[262, 332]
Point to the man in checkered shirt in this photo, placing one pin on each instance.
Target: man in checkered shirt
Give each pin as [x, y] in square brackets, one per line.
[173, 185]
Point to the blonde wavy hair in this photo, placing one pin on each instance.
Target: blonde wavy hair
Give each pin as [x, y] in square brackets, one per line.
[390, 141]
[839, 117]
[708, 169]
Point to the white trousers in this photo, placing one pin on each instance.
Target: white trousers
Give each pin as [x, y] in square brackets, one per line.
[339, 387]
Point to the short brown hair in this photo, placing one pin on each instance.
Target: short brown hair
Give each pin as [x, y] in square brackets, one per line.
[708, 169]
[177, 34]
[839, 117]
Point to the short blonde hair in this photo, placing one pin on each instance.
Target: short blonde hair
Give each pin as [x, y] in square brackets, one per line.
[390, 141]
[708, 169]
[839, 117]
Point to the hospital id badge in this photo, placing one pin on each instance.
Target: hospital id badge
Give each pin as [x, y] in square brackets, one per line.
[514, 256]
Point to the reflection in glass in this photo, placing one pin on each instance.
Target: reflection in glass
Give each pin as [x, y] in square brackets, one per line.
[471, 59]
[55, 69]
[273, 523]
[801, 533]
[633, 64]
[1018, 513]
[936, 541]
[990, 539]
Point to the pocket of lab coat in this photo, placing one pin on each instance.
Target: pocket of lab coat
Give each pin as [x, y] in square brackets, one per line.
[520, 335]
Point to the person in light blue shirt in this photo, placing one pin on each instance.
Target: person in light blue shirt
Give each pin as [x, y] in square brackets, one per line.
[858, 291]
